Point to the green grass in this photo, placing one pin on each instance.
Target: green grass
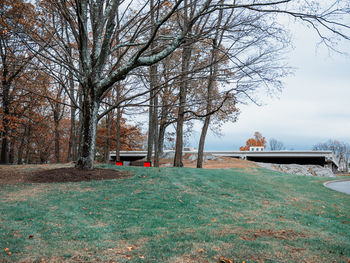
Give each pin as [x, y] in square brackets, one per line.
[177, 215]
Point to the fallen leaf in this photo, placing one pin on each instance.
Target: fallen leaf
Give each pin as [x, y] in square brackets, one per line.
[6, 249]
[129, 248]
[84, 207]
[107, 198]
[214, 220]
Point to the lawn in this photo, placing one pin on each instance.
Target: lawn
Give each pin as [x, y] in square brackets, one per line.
[177, 215]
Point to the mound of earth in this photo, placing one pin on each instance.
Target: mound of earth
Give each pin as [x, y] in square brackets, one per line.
[210, 162]
[43, 174]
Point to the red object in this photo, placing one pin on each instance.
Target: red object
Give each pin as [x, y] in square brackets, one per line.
[147, 164]
[119, 163]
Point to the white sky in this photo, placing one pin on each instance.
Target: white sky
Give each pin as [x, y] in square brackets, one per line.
[313, 107]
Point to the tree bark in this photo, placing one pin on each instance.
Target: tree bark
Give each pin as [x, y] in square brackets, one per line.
[72, 138]
[202, 141]
[150, 128]
[108, 138]
[161, 137]
[119, 116]
[28, 148]
[72, 147]
[5, 147]
[155, 120]
[12, 150]
[186, 56]
[90, 108]
[21, 146]
[57, 135]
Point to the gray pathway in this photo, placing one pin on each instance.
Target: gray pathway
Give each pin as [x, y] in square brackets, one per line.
[340, 186]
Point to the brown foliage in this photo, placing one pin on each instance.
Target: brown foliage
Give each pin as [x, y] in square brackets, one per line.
[258, 140]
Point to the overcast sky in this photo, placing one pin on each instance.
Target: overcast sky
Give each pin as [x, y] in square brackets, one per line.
[313, 107]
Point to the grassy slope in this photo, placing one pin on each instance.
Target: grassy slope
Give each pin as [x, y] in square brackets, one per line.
[177, 215]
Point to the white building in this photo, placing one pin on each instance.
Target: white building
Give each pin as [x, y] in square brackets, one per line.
[256, 148]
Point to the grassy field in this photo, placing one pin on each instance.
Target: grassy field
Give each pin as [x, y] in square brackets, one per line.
[177, 215]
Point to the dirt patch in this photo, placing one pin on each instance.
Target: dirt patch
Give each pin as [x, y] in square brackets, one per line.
[12, 174]
[269, 233]
[219, 163]
[43, 174]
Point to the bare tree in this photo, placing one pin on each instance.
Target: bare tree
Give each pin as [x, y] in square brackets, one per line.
[276, 145]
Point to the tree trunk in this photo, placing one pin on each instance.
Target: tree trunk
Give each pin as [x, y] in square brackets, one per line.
[57, 135]
[210, 86]
[21, 146]
[28, 157]
[186, 56]
[80, 127]
[155, 123]
[5, 147]
[202, 141]
[161, 135]
[119, 116]
[150, 128]
[72, 139]
[108, 138]
[12, 150]
[88, 130]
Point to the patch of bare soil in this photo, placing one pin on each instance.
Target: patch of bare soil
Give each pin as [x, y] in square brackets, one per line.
[269, 233]
[10, 174]
[219, 163]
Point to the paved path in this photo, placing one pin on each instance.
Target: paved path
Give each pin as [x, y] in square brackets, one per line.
[340, 186]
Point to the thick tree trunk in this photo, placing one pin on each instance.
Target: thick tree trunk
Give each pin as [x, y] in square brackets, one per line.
[12, 150]
[5, 146]
[88, 131]
[202, 141]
